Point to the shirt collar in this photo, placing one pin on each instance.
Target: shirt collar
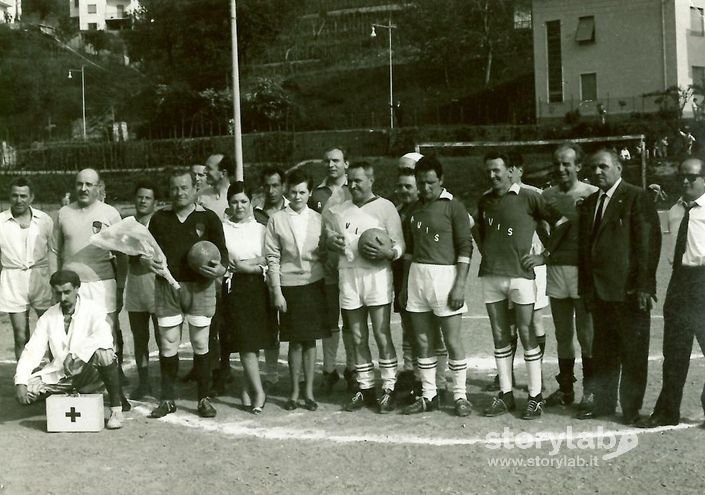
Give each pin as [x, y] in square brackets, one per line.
[611, 190]
[7, 215]
[445, 195]
[292, 213]
[260, 206]
[700, 201]
[325, 183]
[514, 188]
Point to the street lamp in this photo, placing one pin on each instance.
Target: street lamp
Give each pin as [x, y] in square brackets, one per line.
[83, 95]
[389, 27]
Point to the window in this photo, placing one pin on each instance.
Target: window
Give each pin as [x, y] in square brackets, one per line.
[75, 3]
[522, 18]
[92, 26]
[120, 11]
[588, 86]
[696, 21]
[699, 77]
[586, 30]
[555, 62]
[92, 8]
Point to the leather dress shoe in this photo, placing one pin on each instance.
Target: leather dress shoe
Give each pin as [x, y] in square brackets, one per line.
[654, 421]
[631, 419]
[592, 414]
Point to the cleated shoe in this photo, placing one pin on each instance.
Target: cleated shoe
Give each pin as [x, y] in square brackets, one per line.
[386, 402]
[205, 409]
[501, 404]
[422, 404]
[362, 398]
[588, 401]
[463, 407]
[534, 409]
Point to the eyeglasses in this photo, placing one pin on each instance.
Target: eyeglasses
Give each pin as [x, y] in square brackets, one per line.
[691, 177]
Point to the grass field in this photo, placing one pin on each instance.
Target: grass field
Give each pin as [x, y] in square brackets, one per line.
[330, 451]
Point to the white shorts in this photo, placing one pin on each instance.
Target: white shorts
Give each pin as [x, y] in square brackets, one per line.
[562, 282]
[540, 287]
[24, 289]
[102, 294]
[429, 288]
[517, 290]
[365, 287]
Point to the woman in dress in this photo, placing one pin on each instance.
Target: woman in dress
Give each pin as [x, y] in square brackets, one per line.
[296, 281]
[248, 314]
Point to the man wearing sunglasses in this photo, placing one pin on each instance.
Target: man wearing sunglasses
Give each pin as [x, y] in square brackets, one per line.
[684, 308]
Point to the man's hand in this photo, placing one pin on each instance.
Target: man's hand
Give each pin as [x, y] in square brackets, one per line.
[73, 365]
[152, 264]
[374, 252]
[531, 261]
[336, 243]
[456, 298]
[279, 302]
[21, 394]
[212, 270]
[646, 300]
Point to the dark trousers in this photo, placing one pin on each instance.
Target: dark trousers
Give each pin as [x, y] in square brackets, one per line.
[620, 345]
[684, 318]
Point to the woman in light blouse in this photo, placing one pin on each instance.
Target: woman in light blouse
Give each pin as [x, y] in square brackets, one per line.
[248, 313]
[296, 281]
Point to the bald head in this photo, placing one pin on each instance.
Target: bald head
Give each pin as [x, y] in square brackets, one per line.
[606, 169]
[87, 187]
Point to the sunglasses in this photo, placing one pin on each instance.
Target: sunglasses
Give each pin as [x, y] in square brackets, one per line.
[691, 177]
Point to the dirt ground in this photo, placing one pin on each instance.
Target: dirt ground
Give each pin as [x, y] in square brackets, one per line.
[330, 451]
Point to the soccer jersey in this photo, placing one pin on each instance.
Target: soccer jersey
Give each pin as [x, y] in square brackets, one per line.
[326, 196]
[351, 221]
[176, 239]
[438, 232]
[72, 233]
[566, 252]
[507, 225]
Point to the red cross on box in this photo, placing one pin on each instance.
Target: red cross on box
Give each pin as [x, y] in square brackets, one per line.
[69, 413]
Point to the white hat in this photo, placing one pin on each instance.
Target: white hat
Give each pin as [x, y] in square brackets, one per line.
[409, 160]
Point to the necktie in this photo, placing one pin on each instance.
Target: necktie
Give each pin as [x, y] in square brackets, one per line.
[682, 237]
[598, 216]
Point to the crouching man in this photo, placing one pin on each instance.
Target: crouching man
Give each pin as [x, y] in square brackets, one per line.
[80, 342]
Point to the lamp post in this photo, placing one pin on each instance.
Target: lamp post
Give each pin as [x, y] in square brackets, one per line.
[83, 95]
[389, 27]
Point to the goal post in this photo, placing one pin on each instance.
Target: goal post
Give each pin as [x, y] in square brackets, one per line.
[538, 153]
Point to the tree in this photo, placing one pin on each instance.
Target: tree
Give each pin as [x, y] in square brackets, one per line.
[674, 99]
[456, 34]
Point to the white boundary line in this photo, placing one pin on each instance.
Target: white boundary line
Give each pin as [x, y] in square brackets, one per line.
[246, 429]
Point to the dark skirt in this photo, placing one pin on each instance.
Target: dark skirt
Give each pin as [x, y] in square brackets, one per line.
[250, 320]
[305, 317]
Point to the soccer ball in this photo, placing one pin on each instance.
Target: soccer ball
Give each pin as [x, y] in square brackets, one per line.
[203, 253]
[374, 237]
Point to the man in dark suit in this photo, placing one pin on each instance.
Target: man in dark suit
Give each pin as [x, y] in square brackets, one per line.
[620, 242]
[684, 309]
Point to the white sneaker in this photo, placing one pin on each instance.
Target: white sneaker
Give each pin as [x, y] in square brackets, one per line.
[115, 420]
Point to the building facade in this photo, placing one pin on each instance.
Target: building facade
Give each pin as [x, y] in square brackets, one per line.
[102, 15]
[610, 56]
[10, 11]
